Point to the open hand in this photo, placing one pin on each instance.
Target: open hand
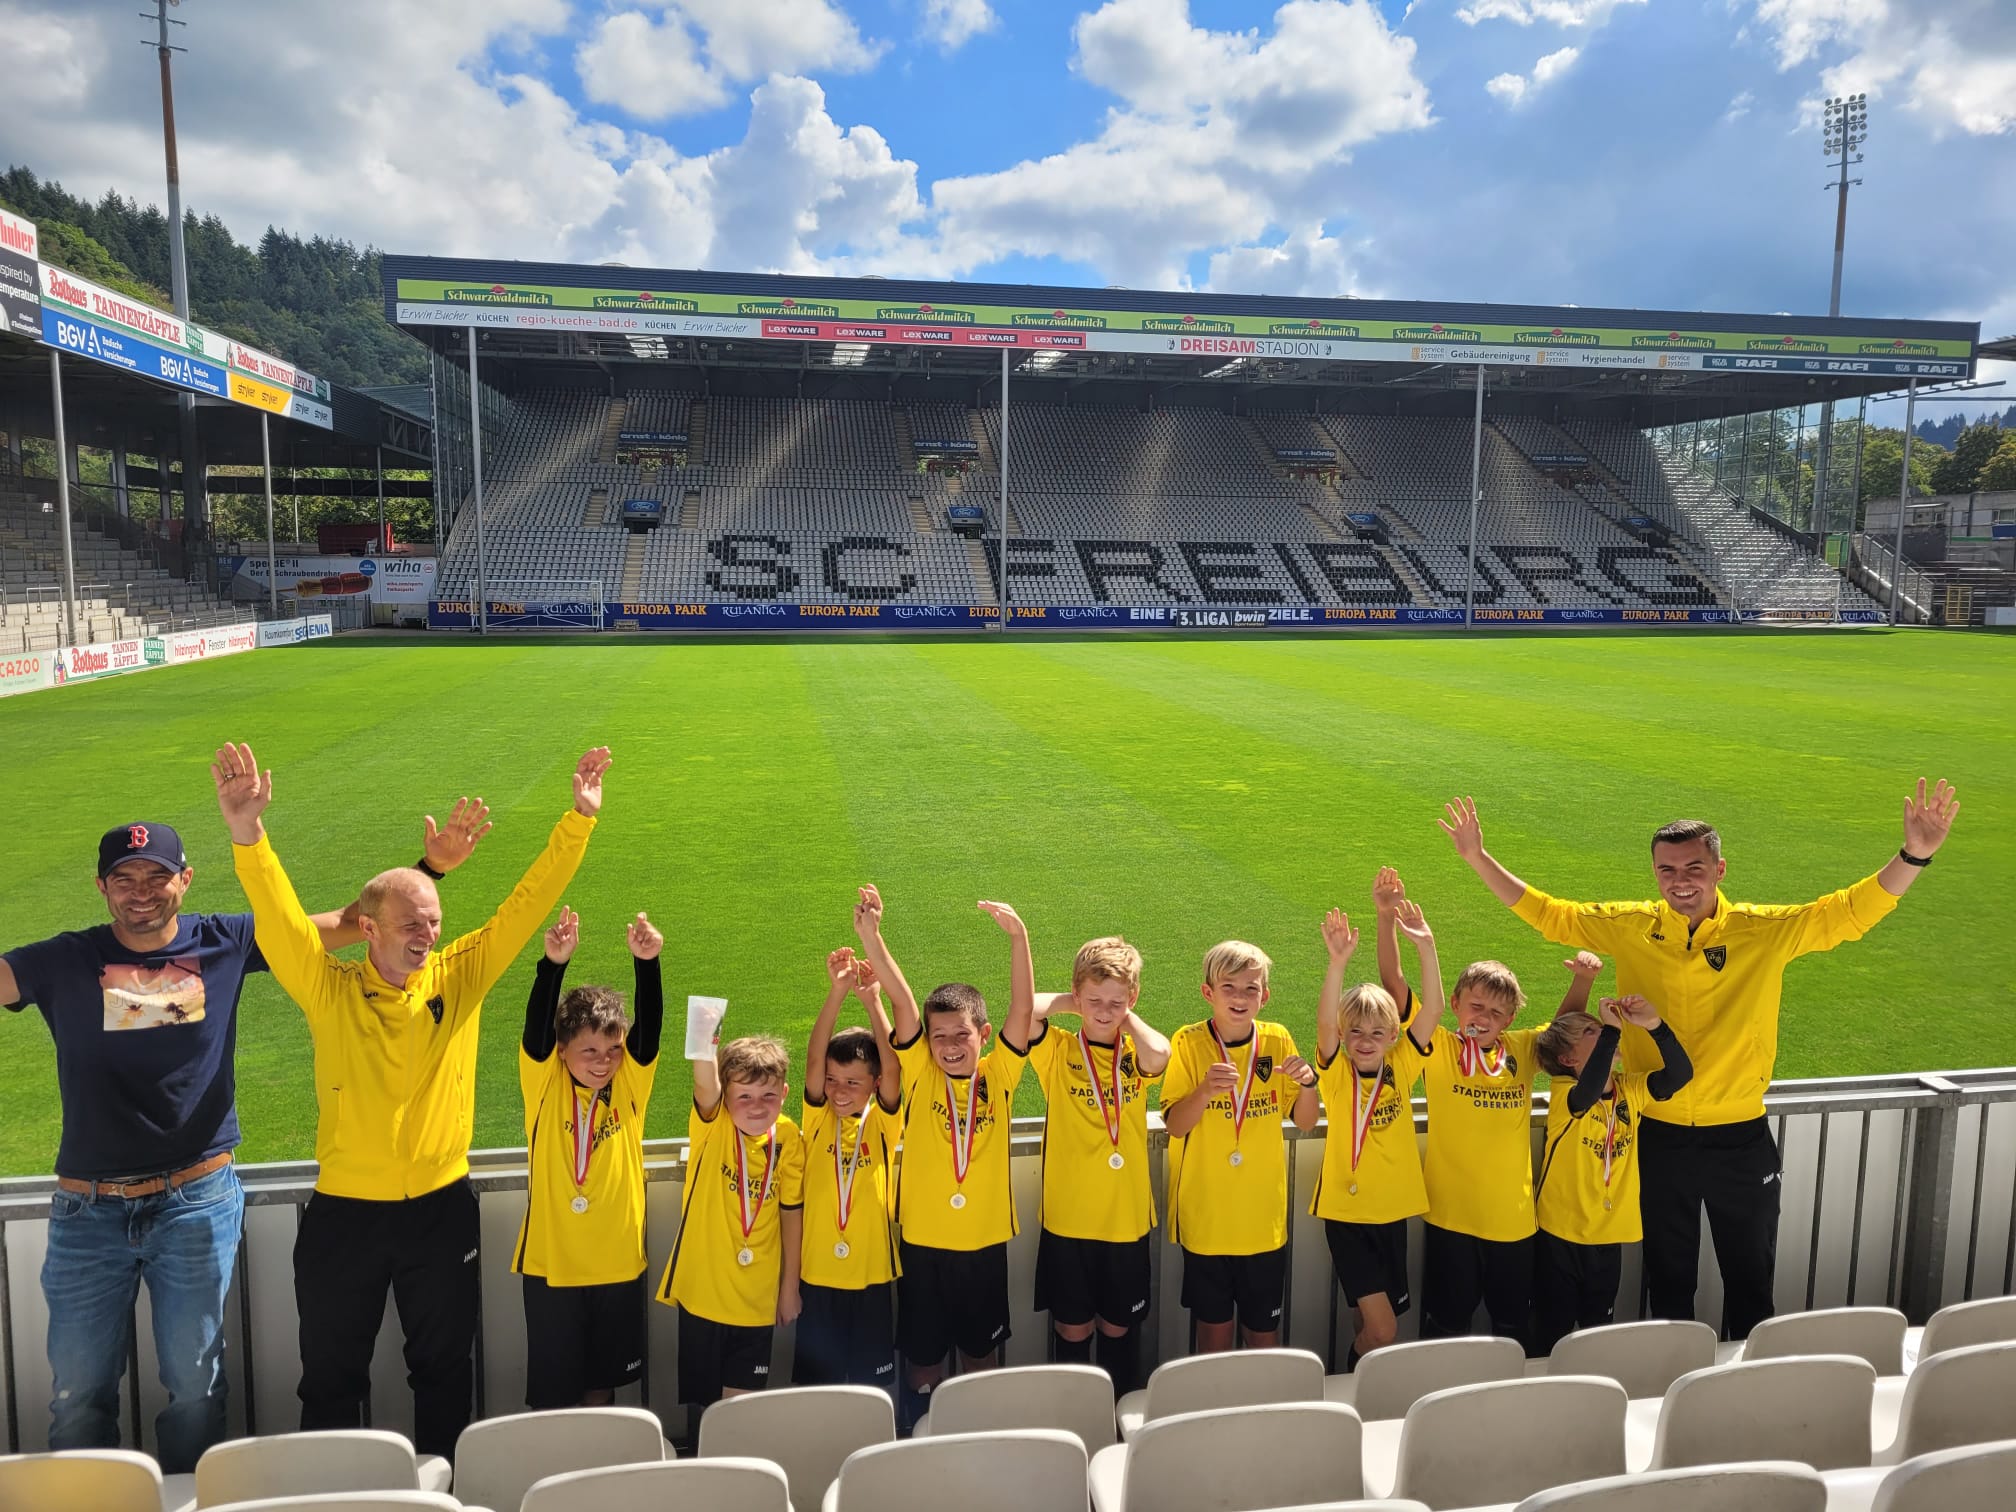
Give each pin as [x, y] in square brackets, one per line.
[243, 792]
[449, 845]
[1339, 938]
[868, 914]
[867, 985]
[840, 967]
[1585, 963]
[588, 781]
[564, 935]
[1413, 923]
[1634, 1010]
[1009, 920]
[1460, 823]
[1928, 820]
[645, 940]
[1387, 890]
[1298, 1071]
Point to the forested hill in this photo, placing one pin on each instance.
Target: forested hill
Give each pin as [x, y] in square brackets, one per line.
[316, 303]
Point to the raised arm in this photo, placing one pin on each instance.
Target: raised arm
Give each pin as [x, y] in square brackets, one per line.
[1676, 1069]
[287, 937]
[1422, 1024]
[1459, 822]
[1583, 968]
[839, 977]
[1928, 820]
[647, 1004]
[1020, 1027]
[517, 917]
[1151, 1045]
[1388, 893]
[542, 1004]
[1340, 940]
[908, 1024]
[707, 1084]
[889, 1072]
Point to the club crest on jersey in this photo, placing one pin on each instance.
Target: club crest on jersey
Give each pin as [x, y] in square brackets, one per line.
[1717, 956]
[1511, 1061]
[980, 1088]
[437, 1005]
[1263, 1067]
[1127, 1063]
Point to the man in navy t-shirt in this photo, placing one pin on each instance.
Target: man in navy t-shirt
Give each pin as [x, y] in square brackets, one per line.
[144, 1012]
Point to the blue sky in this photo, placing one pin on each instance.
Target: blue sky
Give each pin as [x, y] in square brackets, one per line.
[1659, 153]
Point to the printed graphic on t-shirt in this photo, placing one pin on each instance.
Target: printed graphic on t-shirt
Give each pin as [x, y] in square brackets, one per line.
[152, 997]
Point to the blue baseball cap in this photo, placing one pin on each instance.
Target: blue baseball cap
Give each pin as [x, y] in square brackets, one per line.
[141, 842]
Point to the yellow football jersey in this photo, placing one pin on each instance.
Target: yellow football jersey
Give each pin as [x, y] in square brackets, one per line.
[1385, 1184]
[1582, 1197]
[1086, 1195]
[863, 1253]
[936, 1206]
[706, 1275]
[1479, 1166]
[591, 1233]
[1228, 1187]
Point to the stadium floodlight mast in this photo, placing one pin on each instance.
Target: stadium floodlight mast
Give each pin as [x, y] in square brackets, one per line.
[1844, 127]
[178, 267]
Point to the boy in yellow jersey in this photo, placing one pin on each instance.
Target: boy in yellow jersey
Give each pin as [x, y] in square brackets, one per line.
[853, 1120]
[733, 1274]
[1232, 1081]
[585, 1072]
[952, 1193]
[1092, 1261]
[395, 1091]
[1586, 1195]
[1478, 1244]
[1371, 1182]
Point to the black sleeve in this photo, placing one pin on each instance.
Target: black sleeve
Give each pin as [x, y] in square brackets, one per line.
[542, 1008]
[647, 1014]
[1588, 1088]
[1677, 1069]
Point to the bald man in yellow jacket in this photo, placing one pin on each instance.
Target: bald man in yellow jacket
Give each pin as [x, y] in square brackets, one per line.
[1715, 970]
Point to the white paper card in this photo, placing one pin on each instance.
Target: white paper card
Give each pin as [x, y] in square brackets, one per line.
[703, 1026]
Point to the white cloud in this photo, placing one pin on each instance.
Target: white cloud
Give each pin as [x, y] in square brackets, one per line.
[686, 59]
[1739, 107]
[953, 23]
[49, 61]
[1951, 61]
[1516, 89]
[1305, 262]
[1218, 136]
[1570, 13]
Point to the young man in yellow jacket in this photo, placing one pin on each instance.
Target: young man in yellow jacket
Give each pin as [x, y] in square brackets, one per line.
[1716, 969]
[395, 1072]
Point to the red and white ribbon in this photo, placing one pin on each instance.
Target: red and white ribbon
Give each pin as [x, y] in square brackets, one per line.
[1244, 1091]
[962, 1134]
[750, 1215]
[584, 1136]
[1470, 1059]
[1109, 1110]
[1361, 1117]
[843, 1177]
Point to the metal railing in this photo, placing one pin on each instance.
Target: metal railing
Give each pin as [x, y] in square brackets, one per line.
[1896, 1190]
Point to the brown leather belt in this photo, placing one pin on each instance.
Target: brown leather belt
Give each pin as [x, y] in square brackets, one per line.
[145, 1186]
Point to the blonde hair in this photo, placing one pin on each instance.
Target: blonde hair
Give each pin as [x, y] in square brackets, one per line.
[754, 1058]
[1230, 957]
[1368, 1005]
[1493, 977]
[1107, 959]
[400, 879]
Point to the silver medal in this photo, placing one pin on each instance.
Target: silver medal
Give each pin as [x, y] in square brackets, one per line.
[745, 1256]
[579, 1204]
[1352, 1189]
[840, 1250]
[1116, 1160]
[1237, 1158]
[958, 1199]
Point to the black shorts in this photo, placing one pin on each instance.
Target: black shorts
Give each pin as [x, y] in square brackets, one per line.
[1218, 1287]
[1078, 1280]
[1574, 1286]
[846, 1336]
[580, 1339]
[951, 1299]
[1458, 1271]
[1370, 1258]
[717, 1357]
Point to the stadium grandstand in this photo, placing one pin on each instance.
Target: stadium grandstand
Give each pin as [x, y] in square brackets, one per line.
[678, 447]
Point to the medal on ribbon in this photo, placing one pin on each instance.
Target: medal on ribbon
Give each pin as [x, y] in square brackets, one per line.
[1109, 1108]
[1362, 1107]
[1609, 1145]
[843, 1178]
[749, 1214]
[1244, 1090]
[1470, 1060]
[962, 1136]
[584, 1146]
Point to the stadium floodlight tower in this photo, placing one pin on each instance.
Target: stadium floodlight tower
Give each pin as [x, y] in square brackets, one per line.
[1844, 127]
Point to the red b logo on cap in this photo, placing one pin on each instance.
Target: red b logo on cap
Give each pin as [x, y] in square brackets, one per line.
[136, 836]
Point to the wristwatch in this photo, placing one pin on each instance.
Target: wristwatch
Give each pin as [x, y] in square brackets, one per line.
[1910, 860]
[422, 866]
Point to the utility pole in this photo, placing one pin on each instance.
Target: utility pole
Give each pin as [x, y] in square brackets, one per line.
[1844, 128]
[195, 526]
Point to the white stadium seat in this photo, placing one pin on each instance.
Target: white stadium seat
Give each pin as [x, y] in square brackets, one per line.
[1239, 1459]
[809, 1431]
[697, 1485]
[498, 1459]
[1236, 1378]
[1075, 1398]
[1018, 1470]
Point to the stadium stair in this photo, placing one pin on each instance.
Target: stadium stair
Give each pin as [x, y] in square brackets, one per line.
[696, 434]
[597, 510]
[906, 439]
[1404, 570]
[687, 511]
[612, 428]
[983, 573]
[631, 584]
[1262, 448]
[920, 514]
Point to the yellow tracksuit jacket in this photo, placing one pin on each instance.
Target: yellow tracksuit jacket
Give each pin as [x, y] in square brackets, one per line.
[1719, 988]
[395, 1067]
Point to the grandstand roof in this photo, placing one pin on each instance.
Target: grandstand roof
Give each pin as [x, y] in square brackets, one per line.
[783, 333]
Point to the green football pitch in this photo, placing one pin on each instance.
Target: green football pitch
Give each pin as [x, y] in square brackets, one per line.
[1176, 791]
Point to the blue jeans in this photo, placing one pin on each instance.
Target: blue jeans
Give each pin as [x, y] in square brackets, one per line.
[183, 1244]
